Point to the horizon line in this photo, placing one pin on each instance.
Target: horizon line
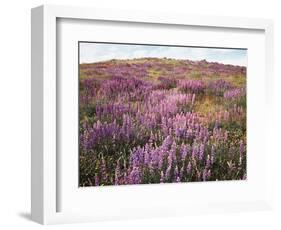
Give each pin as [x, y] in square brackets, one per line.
[129, 59]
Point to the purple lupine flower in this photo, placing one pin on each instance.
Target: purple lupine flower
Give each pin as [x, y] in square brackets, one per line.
[146, 155]
[183, 151]
[167, 173]
[206, 174]
[167, 143]
[172, 154]
[155, 158]
[126, 178]
[135, 176]
[97, 181]
[195, 151]
[201, 152]
[178, 132]
[208, 162]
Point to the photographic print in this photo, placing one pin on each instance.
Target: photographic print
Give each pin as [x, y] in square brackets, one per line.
[151, 114]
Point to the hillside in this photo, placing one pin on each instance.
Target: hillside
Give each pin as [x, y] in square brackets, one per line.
[154, 120]
[152, 68]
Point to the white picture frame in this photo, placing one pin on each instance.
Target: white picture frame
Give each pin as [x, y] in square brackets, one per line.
[45, 167]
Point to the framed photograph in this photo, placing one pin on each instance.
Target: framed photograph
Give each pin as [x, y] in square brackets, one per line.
[138, 114]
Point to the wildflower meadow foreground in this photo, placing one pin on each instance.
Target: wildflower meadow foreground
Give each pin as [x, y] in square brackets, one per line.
[161, 120]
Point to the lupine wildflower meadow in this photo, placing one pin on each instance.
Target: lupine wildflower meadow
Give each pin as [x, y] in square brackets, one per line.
[161, 120]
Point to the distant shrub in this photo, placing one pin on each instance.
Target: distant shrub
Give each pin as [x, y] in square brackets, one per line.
[166, 83]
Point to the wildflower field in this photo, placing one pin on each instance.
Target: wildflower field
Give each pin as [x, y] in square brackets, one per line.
[161, 120]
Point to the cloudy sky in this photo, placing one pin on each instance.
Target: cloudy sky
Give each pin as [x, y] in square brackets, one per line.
[96, 52]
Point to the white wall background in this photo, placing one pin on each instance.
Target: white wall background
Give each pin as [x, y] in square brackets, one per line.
[15, 112]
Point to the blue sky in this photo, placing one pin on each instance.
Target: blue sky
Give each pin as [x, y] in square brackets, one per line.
[96, 52]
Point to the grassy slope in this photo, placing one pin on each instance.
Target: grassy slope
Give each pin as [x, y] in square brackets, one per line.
[163, 66]
[180, 69]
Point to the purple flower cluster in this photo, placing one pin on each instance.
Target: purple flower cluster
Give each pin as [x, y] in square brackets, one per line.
[89, 88]
[105, 135]
[192, 86]
[218, 87]
[235, 114]
[172, 161]
[113, 110]
[139, 128]
[125, 88]
[234, 94]
[169, 103]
